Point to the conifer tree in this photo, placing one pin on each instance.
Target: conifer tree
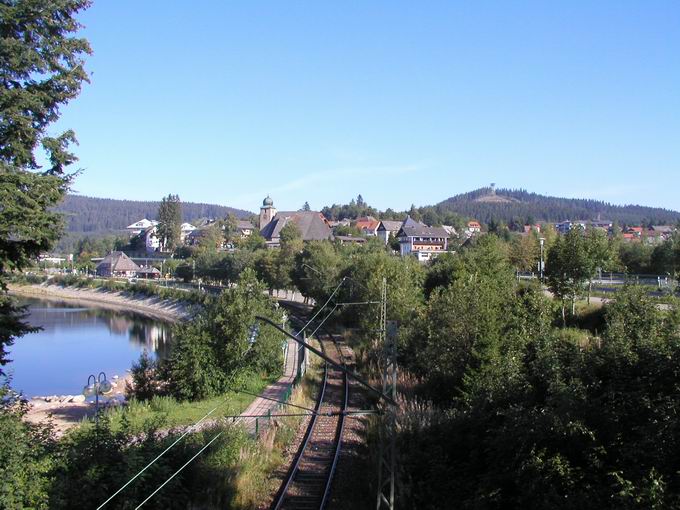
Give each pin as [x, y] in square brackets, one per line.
[41, 69]
[170, 222]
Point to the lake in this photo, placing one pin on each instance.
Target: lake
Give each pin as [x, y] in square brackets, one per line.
[76, 341]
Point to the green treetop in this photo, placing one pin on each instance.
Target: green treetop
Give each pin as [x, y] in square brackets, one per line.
[41, 69]
[170, 221]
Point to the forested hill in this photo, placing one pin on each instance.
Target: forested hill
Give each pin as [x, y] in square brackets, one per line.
[508, 205]
[88, 215]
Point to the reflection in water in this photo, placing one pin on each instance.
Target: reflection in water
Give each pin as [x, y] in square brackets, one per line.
[154, 336]
[76, 341]
[143, 332]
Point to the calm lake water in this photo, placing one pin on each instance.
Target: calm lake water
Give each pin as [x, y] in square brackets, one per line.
[78, 341]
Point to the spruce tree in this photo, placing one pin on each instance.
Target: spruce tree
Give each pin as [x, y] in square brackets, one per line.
[41, 69]
[170, 222]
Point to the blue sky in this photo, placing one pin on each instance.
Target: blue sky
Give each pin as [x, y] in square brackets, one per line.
[403, 102]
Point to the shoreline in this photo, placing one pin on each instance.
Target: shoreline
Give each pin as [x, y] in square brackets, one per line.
[152, 307]
[66, 412]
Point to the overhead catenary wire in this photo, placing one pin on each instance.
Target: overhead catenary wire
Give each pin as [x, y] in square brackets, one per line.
[282, 402]
[359, 412]
[187, 432]
[325, 304]
[179, 470]
[362, 412]
[190, 428]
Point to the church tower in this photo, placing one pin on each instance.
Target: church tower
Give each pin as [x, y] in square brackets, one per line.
[267, 212]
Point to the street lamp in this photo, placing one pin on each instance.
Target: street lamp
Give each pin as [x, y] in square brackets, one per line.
[541, 240]
[97, 386]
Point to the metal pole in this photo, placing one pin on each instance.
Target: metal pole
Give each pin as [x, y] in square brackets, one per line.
[327, 359]
[388, 445]
[96, 406]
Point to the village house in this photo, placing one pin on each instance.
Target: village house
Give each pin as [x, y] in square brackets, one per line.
[565, 226]
[184, 230]
[528, 229]
[473, 227]
[604, 225]
[450, 230]
[117, 264]
[138, 227]
[346, 222]
[388, 229]
[193, 237]
[245, 228]
[152, 240]
[418, 239]
[148, 272]
[635, 231]
[657, 234]
[367, 225]
[312, 225]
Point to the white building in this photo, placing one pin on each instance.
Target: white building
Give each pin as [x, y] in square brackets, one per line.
[139, 226]
[388, 229]
[185, 230]
[152, 241]
[424, 242]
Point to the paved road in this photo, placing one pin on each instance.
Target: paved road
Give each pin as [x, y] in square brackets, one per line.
[276, 391]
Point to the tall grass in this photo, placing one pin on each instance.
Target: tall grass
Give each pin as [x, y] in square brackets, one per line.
[269, 455]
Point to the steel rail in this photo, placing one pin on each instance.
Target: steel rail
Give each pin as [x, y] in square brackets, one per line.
[326, 474]
[281, 495]
[341, 429]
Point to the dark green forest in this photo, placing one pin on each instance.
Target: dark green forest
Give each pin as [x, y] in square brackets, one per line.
[92, 216]
[532, 206]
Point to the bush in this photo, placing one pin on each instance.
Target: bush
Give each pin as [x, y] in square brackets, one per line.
[145, 380]
[210, 352]
[95, 463]
[25, 456]
[561, 422]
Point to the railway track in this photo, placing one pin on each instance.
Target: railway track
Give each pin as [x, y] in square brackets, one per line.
[309, 480]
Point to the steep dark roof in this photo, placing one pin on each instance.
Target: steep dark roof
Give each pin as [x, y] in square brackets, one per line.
[665, 229]
[391, 226]
[118, 261]
[148, 270]
[412, 228]
[410, 222]
[312, 225]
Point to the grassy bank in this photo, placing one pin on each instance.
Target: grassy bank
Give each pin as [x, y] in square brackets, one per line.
[236, 471]
[173, 413]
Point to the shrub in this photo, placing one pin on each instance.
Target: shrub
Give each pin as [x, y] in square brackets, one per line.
[145, 380]
[214, 349]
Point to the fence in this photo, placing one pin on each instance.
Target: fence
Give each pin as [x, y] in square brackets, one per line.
[301, 360]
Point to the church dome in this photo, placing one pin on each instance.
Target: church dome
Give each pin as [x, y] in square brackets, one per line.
[267, 202]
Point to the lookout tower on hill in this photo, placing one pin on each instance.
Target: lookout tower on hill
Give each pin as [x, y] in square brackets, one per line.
[267, 212]
[492, 189]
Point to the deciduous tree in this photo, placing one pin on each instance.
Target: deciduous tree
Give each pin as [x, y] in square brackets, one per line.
[569, 267]
[211, 351]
